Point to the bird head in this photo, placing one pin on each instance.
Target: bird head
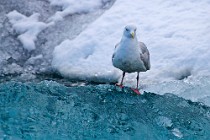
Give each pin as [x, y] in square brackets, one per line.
[130, 31]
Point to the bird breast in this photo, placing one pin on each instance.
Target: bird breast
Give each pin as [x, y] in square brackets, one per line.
[127, 58]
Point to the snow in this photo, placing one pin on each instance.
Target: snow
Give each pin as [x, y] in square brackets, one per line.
[27, 27]
[70, 7]
[176, 33]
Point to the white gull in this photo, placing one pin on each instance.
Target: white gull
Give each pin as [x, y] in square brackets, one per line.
[131, 55]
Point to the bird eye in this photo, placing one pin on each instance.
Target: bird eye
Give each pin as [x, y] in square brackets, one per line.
[126, 29]
[134, 30]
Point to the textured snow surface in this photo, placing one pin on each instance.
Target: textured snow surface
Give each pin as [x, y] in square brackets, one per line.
[27, 27]
[70, 7]
[176, 33]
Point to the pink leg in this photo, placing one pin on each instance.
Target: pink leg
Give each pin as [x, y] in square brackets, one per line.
[136, 91]
[121, 83]
[137, 85]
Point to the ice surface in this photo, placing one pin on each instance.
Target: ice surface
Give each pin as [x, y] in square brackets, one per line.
[48, 110]
[70, 7]
[193, 88]
[27, 27]
[39, 40]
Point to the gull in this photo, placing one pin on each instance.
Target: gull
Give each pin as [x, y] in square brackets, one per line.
[130, 55]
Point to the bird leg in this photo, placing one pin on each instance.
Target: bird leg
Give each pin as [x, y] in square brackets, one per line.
[121, 83]
[137, 79]
[137, 85]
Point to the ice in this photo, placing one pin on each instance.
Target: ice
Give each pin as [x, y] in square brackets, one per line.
[33, 60]
[27, 27]
[167, 123]
[25, 40]
[193, 88]
[51, 110]
[164, 121]
[177, 133]
[70, 7]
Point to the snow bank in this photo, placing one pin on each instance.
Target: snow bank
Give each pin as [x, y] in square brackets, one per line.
[27, 27]
[75, 6]
[176, 33]
[83, 61]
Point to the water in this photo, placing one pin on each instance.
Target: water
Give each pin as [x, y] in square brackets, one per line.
[51, 110]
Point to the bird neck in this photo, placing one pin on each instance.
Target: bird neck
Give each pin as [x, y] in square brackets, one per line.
[129, 40]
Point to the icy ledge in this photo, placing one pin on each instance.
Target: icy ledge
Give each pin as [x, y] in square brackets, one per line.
[193, 88]
[49, 110]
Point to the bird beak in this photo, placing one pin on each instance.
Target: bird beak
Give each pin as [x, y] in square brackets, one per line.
[132, 35]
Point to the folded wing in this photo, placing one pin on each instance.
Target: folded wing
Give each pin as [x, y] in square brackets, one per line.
[115, 49]
[145, 56]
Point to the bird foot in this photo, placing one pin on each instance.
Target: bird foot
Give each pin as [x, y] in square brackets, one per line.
[119, 85]
[136, 91]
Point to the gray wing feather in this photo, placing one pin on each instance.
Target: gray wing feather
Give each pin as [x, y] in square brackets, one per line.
[145, 56]
[115, 49]
[117, 45]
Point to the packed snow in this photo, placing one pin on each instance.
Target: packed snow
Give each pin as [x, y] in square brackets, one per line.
[27, 27]
[176, 33]
[70, 7]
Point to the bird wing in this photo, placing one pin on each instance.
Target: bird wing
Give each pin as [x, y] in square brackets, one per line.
[115, 49]
[117, 45]
[145, 56]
